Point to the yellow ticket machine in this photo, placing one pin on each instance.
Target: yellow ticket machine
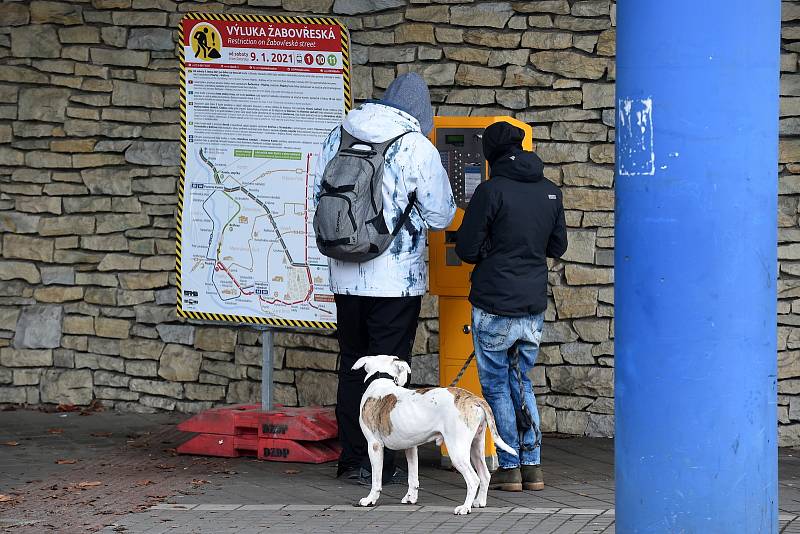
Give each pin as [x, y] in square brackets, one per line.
[459, 141]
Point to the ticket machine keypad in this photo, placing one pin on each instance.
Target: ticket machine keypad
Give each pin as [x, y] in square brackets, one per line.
[461, 151]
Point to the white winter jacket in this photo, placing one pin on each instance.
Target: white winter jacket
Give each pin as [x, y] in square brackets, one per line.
[412, 163]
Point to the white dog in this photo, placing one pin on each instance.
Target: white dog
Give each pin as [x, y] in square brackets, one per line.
[402, 419]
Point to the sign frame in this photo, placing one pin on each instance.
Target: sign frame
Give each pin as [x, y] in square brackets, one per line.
[348, 104]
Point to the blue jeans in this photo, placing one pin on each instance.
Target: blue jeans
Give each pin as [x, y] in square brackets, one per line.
[492, 336]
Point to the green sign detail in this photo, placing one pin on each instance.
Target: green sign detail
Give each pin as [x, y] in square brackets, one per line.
[241, 153]
[272, 154]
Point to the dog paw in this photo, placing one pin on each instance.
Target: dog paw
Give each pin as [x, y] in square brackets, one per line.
[479, 504]
[410, 498]
[368, 501]
[461, 510]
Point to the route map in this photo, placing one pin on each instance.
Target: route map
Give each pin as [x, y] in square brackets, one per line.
[256, 111]
[247, 251]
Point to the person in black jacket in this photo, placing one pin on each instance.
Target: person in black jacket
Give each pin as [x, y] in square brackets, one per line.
[513, 223]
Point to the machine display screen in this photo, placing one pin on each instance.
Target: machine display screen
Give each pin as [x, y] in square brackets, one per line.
[472, 179]
[457, 140]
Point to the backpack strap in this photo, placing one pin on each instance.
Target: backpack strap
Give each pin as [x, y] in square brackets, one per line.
[412, 199]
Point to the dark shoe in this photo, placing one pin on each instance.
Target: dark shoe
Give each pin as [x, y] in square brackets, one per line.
[506, 480]
[398, 477]
[349, 474]
[532, 478]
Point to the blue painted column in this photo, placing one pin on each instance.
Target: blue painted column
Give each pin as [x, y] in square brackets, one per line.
[696, 241]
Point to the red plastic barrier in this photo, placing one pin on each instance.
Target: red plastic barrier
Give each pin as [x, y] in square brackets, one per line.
[284, 434]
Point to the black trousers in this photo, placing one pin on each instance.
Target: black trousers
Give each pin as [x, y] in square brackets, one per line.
[367, 326]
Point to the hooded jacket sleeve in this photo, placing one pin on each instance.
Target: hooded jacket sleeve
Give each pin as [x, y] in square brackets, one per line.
[435, 201]
[471, 240]
[329, 148]
[557, 243]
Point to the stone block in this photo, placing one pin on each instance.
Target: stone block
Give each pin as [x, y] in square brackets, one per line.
[64, 358]
[245, 355]
[315, 388]
[592, 330]
[141, 368]
[577, 353]
[558, 332]
[8, 318]
[179, 363]
[112, 328]
[172, 333]
[104, 378]
[66, 386]
[586, 174]
[14, 270]
[10, 357]
[569, 422]
[6, 376]
[163, 153]
[578, 275]
[582, 380]
[39, 327]
[581, 246]
[356, 7]
[107, 393]
[414, 33]
[579, 131]
[28, 248]
[434, 74]
[157, 402]
[215, 339]
[64, 13]
[563, 153]
[570, 64]
[491, 14]
[30, 42]
[302, 359]
[221, 368]
[492, 39]
[46, 104]
[141, 349]
[156, 387]
[57, 294]
[12, 395]
[243, 392]
[67, 225]
[151, 39]
[15, 14]
[204, 392]
[498, 58]
[601, 426]
[474, 75]
[574, 302]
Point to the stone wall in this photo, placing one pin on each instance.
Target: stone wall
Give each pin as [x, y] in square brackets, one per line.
[88, 171]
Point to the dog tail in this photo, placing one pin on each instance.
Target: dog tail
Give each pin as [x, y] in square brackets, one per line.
[487, 410]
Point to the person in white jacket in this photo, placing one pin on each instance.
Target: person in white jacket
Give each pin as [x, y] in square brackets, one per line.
[378, 301]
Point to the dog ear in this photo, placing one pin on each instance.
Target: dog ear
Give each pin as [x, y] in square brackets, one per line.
[361, 362]
[403, 370]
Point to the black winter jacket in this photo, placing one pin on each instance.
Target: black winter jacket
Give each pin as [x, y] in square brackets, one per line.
[513, 223]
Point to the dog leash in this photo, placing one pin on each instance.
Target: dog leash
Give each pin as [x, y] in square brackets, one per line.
[463, 369]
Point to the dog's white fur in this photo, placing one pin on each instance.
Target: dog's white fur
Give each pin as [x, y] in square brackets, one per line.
[402, 419]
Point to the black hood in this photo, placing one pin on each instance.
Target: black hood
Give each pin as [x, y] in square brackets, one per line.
[499, 138]
[518, 165]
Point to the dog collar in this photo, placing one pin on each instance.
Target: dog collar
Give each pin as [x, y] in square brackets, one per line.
[378, 376]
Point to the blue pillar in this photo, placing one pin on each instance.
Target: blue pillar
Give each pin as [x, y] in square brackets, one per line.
[696, 240]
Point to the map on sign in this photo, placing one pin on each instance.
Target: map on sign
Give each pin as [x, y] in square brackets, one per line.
[247, 250]
[258, 97]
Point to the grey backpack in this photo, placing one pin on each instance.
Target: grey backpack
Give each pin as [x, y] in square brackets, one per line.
[349, 222]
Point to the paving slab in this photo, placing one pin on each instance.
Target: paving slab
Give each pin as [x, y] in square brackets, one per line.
[119, 473]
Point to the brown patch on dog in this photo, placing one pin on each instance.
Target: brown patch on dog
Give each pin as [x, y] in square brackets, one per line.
[465, 402]
[423, 391]
[376, 413]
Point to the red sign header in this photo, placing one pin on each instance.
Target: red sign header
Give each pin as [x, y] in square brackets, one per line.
[267, 35]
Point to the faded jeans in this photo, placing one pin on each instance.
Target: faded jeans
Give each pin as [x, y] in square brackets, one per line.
[492, 336]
